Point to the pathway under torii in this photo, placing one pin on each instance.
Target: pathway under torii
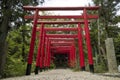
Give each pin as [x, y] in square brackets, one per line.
[53, 44]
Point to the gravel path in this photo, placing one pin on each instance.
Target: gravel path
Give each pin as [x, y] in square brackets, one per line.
[67, 74]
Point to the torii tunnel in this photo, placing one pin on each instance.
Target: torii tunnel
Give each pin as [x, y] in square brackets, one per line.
[52, 45]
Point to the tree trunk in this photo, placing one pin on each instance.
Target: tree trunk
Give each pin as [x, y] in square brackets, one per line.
[3, 35]
[103, 52]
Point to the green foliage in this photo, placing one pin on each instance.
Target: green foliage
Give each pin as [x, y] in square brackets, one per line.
[108, 17]
[52, 66]
[107, 28]
[14, 67]
[75, 69]
[15, 9]
[117, 48]
[100, 68]
[11, 17]
[16, 55]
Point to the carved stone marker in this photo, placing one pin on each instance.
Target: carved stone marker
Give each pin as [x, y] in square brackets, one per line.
[111, 58]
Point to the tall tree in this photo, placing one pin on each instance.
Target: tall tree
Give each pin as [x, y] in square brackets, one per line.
[11, 16]
[107, 13]
[107, 23]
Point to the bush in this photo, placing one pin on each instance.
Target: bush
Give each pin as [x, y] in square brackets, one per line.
[52, 66]
[14, 67]
[100, 68]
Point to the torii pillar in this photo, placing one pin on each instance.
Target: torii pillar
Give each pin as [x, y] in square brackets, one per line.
[39, 54]
[30, 55]
[49, 54]
[43, 50]
[81, 53]
[73, 55]
[88, 42]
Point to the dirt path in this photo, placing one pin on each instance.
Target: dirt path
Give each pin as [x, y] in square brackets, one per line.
[66, 74]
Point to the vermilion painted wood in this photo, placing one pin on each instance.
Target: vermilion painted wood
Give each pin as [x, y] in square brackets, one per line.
[39, 47]
[58, 49]
[49, 53]
[61, 48]
[61, 39]
[63, 17]
[48, 59]
[45, 60]
[46, 53]
[61, 43]
[69, 59]
[30, 55]
[87, 34]
[61, 51]
[60, 22]
[72, 53]
[54, 47]
[61, 36]
[60, 8]
[43, 50]
[59, 29]
[38, 59]
[81, 53]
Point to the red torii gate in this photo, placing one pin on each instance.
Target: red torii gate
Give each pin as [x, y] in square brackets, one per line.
[62, 43]
[41, 59]
[60, 22]
[71, 36]
[67, 36]
[57, 36]
[85, 17]
[66, 47]
[63, 36]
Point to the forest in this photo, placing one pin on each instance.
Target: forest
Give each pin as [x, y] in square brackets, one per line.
[15, 35]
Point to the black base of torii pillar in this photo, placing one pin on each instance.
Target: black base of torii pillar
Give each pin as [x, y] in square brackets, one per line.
[28, 70]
